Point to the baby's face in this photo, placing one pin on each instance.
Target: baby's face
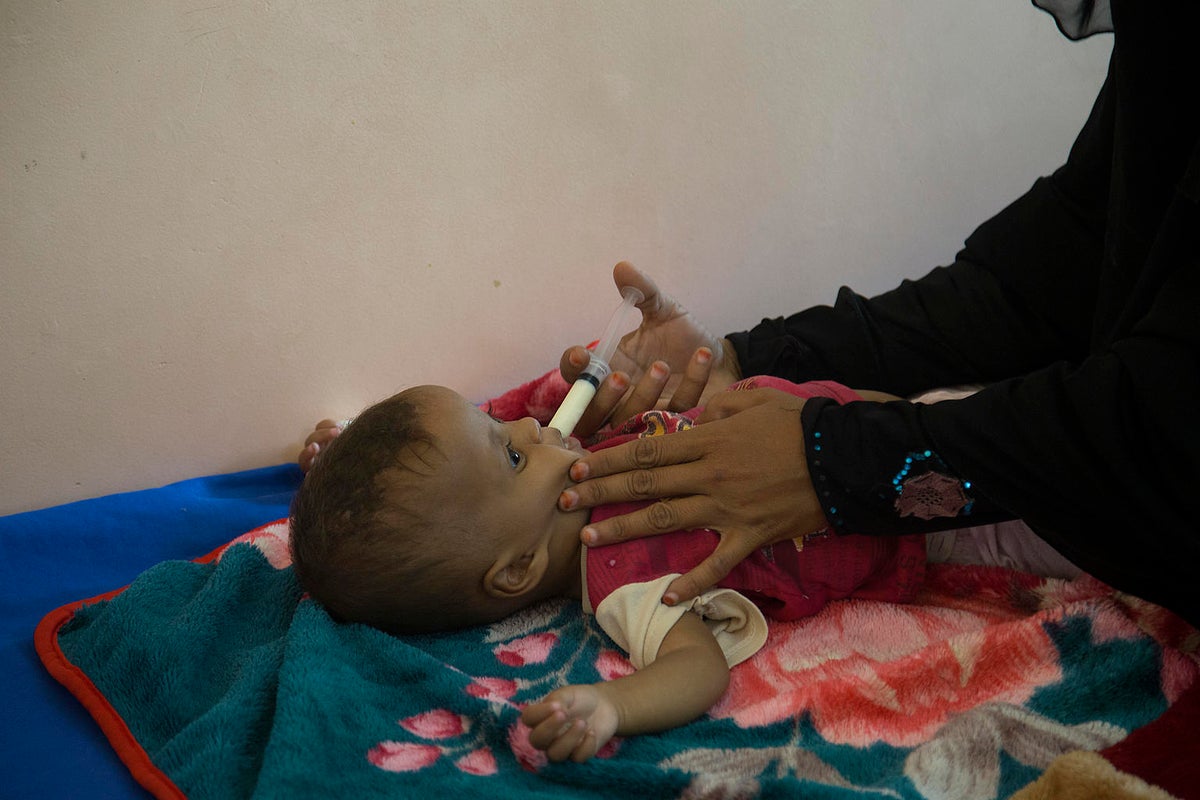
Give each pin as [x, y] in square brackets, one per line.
[512, 472]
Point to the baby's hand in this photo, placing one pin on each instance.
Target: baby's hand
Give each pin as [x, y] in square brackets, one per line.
[325, 432]
[572, 722]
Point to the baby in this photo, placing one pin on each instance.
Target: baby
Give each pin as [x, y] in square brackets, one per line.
[426, 514]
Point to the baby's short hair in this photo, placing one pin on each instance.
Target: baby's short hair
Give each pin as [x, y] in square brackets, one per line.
[365, 545]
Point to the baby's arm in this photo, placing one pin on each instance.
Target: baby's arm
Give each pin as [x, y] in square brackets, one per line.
[683, 682]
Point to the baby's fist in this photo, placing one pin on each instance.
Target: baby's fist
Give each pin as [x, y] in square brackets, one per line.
[572, 722]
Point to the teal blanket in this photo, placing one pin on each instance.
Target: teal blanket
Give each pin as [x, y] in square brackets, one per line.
[219, 679]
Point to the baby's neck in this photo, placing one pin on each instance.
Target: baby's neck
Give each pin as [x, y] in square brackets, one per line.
[567, 555]
[563, 575]
[572, 574]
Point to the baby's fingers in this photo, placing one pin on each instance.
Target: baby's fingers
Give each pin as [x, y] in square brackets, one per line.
[308, 456]
[535, 713]
[549, 732]
[586, 748]
[546, 721]
[325, 432]
[570, 737]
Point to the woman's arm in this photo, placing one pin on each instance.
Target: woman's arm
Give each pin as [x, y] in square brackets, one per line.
[682, 683]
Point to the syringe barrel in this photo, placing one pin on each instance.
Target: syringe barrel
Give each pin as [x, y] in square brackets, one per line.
[618, 325]
[598, 368]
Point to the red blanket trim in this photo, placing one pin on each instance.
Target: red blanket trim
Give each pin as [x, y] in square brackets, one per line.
[139, 763]
[1153, 752]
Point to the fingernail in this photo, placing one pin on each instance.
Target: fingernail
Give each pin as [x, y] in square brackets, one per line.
[670, 599]
[618, 381]
[588, 536]
[567, 500]
[578, 471]
[704, 355]
[659, 370]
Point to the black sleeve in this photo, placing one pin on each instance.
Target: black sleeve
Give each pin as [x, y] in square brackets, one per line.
[1100, 457]
[1018, 296]
[1079, 307]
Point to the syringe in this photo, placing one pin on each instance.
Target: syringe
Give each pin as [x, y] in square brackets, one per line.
[585, 386]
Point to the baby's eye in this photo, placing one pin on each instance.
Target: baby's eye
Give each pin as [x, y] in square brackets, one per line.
[514, 458]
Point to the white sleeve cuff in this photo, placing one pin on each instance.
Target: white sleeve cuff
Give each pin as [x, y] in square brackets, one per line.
[636, 619]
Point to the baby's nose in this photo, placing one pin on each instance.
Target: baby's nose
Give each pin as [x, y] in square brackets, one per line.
[537, 430]
[549, 435]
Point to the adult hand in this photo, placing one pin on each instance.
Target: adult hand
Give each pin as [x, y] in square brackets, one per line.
[670, 360]
[742, 471]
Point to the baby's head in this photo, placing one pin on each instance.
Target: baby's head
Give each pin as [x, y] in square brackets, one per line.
[426, 514]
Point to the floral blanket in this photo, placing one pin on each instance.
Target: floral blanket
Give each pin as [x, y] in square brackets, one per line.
[218, 678]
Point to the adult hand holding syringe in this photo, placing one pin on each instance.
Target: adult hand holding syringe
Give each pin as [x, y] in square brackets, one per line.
[585, 386]
[670, 355]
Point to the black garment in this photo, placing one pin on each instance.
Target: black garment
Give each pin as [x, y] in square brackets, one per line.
[1079, 307]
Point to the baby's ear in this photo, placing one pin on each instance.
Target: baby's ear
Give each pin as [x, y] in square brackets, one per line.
[513, 577]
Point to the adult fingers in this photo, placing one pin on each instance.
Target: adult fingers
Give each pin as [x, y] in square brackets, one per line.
[727, 404]
[572, 362]
[695, 378]
[611, 390]
[644, 469]
[646, 392]
[575, 358]
[626, 274]
[730, 551]
[641, 454]
[672, 514]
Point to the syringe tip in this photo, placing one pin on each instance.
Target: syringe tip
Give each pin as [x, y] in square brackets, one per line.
[632, 294]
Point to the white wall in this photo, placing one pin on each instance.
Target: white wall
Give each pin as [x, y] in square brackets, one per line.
[221, 222]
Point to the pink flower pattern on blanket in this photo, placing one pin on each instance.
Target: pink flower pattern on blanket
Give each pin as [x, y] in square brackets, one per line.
[867, 672]
[518, 643]
[403, 756]
[437, 724]
[498, 689]
[532, 649]
[867, 676]
[270, 539]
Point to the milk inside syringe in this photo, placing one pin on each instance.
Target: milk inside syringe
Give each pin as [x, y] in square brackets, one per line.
[585, 386]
